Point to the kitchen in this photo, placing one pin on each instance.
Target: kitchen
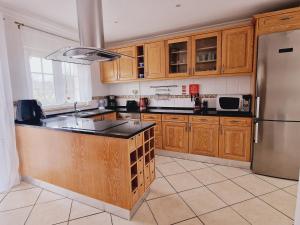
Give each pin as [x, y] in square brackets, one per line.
[186, 119]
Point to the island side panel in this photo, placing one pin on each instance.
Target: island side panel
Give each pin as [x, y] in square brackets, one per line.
[92, 165]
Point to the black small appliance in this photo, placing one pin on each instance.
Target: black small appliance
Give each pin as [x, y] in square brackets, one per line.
[132, 106]
[111, 102]
[29, 112]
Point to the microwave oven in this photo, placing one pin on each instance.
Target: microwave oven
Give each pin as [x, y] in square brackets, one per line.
[241, 103]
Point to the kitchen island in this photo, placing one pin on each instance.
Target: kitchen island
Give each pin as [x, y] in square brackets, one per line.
[107, 164]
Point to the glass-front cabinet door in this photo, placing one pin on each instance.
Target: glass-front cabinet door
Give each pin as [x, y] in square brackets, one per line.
[206, 54]
[178, 57]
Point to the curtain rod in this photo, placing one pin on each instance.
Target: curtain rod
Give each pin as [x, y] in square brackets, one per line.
[19, 25]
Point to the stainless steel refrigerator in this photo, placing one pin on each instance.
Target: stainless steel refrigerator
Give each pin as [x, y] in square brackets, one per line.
[277, 125]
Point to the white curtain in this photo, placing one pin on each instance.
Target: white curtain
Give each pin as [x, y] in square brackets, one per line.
[9, 162]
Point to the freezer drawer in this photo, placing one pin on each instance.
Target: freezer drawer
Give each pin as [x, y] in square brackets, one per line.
[277, 149]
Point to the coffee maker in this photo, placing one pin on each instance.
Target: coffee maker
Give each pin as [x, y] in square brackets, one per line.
[111, 102]
[29, 112]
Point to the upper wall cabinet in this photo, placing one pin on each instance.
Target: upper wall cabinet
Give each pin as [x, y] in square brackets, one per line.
[279, 21]
[127, 65]
[155, 60]
[109, 71]
[237, 50]
[178, 57]
[206, 54]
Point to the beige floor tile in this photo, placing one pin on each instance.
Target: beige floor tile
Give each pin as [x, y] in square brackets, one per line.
[254, 185]
[15, 217]
[292, 189]
[183, 181]
[47, 196]
[282, 201]
[50, 212]
[19, 199]
[229, 192]
[208, 176]
[201, 200]
[157, 173]
[170, 209]
[281, 183]
[22, 186]
[2, 196]
[163, 159]
[98, 219]
[160, 187]
[259, 213]
[142, 217]
[170, 168]
[209, 164]
[190, 165]
[80, 210]
[225, 216]
[230, 172]
[194, 221]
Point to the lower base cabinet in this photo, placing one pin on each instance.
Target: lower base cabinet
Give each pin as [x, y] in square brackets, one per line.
[235, 143]
[175, 136]
[204, 139]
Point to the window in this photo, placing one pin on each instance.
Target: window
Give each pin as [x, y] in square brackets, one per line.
[59, 84]
[42, 80]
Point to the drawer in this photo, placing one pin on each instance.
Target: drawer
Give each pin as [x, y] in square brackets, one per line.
[98, 117]
[139, 139]
[154, 117]
[285, 21]
[152, 170]
[147, 177]
[235, 121]
[204, 119]
[140, 165]
[131, 144]
[175, 118]
[135, 196]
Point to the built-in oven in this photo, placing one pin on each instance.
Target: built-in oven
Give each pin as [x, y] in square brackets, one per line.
[236, 102]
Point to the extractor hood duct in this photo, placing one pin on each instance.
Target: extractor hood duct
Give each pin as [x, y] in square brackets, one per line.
[90, 25]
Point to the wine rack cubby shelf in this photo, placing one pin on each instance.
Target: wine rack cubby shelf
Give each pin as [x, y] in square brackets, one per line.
[142, 165]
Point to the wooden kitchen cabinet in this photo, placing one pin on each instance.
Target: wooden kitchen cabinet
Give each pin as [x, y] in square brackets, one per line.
[109, 71]
[175, 136]
[204, 135]
[278, 21]
[206, 54]
[127, 65]
[155, 60]
[155, 118]
[110, 116]
[237, 50]
[178, 54]
[235, 138]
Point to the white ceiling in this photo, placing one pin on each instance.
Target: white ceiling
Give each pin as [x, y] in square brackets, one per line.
[130, 19]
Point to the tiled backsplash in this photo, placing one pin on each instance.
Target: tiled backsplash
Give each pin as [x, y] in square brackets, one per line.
[173, 97]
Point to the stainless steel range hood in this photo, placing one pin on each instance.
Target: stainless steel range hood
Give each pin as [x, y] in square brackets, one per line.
[90, 25]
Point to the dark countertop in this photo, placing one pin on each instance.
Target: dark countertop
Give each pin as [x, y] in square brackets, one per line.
[118, 129]
[84, 113]
[187, 111]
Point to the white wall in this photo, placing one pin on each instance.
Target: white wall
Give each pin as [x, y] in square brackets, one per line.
[208, 86]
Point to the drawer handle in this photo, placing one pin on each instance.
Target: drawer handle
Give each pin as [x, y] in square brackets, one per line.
[235, 121]
[286, 18]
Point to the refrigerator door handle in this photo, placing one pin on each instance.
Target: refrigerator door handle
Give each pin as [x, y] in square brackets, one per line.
[257, 107]
[256, 133]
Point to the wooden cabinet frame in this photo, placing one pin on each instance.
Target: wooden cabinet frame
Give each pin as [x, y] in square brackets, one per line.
[177, 40]
[219, 51]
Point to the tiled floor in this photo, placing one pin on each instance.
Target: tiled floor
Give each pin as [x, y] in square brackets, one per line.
[184, 193]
